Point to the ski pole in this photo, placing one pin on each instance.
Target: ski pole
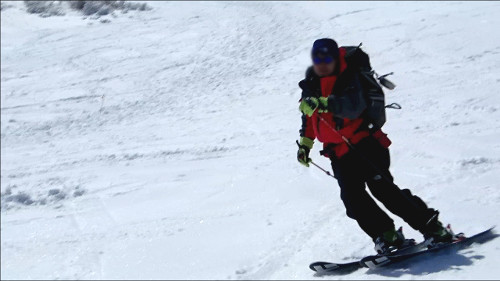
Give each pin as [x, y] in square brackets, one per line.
[319, 167]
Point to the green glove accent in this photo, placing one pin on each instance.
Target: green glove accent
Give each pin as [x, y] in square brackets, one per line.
[305, 146]
[306, 142]
[309, 105]
[303, 157]
[323, 105]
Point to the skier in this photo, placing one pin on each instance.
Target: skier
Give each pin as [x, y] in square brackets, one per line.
[342, 105]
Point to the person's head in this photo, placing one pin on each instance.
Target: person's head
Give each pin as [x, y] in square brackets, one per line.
[324, 54]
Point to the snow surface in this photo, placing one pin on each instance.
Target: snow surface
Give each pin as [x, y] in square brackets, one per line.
[161, 144]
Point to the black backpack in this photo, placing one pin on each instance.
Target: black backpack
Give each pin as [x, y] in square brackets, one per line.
[358, 66]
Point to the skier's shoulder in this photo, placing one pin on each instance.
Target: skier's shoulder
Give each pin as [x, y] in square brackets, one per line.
[310, 84]
[310, 74]
[309, 79]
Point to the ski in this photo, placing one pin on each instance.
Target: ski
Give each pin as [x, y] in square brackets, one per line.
[375, 262]
[378, 261]
[329, 268]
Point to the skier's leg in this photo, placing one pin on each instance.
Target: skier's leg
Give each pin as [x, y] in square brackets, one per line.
[403, 203]
[360, 206]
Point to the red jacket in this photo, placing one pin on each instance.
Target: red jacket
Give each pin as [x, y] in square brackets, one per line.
[315, 126]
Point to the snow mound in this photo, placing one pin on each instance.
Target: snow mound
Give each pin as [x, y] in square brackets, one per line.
[86, 8]
[52, 191]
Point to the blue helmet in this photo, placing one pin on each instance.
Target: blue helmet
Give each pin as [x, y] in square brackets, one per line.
[325, 49]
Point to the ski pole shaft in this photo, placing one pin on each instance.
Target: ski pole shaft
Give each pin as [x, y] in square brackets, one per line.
[346, 140]
[319, 167]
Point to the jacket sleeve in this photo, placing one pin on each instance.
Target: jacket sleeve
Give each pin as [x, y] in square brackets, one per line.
[307, 86]
[307, 128]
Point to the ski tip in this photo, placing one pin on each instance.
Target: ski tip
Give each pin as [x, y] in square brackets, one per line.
[321, 266]
[330, 268]
[490, 230]
[484, 236]
[493, 231]
[313, 266]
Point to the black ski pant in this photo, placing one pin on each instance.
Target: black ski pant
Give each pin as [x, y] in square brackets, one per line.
[357, 168]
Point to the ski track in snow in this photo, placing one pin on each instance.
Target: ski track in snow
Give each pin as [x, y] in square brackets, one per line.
[161, 144]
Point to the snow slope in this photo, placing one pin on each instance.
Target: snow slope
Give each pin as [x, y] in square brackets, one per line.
[161, 145]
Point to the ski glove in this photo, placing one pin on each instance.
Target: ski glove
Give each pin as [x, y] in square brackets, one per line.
[305, 146]
[310, 104]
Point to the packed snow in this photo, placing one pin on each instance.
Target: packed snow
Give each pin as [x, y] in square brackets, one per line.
[160, 144]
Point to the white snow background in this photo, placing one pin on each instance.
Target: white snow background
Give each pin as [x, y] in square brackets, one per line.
[160, 144]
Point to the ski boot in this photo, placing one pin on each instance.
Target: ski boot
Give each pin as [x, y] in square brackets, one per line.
[435, 233]
[391, 241]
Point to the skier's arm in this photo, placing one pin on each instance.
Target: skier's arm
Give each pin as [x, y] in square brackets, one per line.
[306, 142]
[307, 131]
